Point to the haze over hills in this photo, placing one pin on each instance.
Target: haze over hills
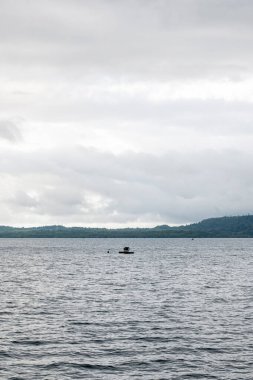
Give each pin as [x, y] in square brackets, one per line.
[233, 226]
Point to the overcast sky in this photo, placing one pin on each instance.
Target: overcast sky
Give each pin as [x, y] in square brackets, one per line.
[125, 112]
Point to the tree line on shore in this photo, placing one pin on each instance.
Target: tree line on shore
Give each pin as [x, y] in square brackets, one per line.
[233, 226]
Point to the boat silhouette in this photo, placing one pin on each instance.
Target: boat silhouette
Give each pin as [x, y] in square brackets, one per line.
[126, 250]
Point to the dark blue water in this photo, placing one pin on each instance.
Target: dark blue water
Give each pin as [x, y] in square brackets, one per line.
[176, 309]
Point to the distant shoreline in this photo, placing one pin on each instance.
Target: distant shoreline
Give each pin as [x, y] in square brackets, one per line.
[223, 227]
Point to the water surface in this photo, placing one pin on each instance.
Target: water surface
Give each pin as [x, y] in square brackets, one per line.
[177, 309]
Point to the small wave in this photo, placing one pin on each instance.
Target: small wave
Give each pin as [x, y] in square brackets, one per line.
[6, 312]
[203, 376]
[30, 342]
[210, 350]
[57, 365]
[4, 354]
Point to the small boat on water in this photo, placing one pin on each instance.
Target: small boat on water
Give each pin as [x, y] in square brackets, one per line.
[126, 250]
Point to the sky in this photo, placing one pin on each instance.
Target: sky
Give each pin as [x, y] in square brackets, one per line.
[125, 113]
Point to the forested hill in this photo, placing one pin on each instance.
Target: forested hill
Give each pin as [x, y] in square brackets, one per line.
[234, 226]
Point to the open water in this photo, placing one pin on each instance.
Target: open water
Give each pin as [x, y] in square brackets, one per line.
[177, 309]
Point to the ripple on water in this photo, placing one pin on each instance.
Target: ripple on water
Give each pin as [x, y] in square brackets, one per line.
[174, 310]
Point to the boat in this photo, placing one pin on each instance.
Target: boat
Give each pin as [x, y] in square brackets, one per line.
[126, 250]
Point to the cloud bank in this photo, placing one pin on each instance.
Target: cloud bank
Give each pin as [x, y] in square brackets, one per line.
[132, 112]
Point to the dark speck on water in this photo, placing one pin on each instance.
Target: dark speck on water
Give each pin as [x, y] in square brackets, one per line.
[178, 309]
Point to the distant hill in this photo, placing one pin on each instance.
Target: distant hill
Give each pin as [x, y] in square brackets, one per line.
[233, 226]
[163, 227]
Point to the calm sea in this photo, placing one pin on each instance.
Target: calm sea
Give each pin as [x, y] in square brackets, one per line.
[177, 309]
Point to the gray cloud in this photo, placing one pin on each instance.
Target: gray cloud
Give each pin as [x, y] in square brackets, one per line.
[133, 112]
[85, 186]
[161, 39]
[9, 131]
[23, 200]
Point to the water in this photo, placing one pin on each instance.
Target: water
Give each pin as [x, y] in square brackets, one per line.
[177, 309]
